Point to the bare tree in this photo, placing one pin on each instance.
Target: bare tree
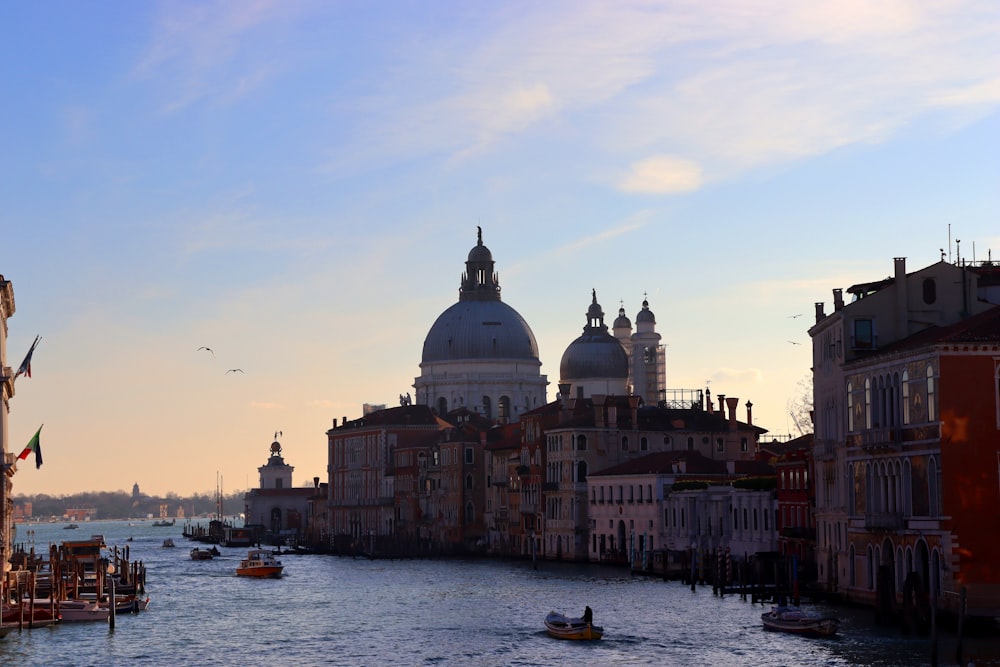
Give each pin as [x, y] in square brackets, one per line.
[800, 408]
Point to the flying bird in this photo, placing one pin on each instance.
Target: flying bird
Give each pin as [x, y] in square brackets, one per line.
[794, 316]
[794, 343]
[235, 370]
[206, 348]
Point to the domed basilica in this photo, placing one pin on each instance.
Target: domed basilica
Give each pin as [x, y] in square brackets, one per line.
[480, 354]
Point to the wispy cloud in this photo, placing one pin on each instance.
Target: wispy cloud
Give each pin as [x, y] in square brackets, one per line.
[626, 227]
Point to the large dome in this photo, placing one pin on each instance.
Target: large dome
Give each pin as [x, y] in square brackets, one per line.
[480, 330]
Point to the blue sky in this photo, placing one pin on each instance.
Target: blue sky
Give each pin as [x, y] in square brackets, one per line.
[297, 184]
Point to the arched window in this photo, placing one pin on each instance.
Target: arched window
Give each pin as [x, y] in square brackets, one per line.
[643, 444]
[868, 403]
[933, 488]
[850, 407]
[468, 482]
[581, 472]
[624, 443]
[581, 443]
[487, 407]
[906, 397]
[690, 443]
[470, 512]
[504, 409]
[930, 394]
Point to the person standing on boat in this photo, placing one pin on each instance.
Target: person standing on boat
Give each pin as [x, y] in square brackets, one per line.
[588, 616]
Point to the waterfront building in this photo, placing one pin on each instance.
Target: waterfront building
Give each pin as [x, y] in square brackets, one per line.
[7, 458]
[793, 466]
[898, 445]
[362, 459]
[480, 354]
[597, 433]
[277, 507]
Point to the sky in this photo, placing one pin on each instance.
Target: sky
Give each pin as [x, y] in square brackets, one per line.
[296, 185]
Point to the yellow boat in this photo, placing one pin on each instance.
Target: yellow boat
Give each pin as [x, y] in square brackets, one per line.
[563, 627]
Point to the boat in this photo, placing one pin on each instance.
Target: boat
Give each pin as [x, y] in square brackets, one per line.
[259, 563]
[564, 627]
[800, 622]
[75, 611]
[28, 615]
[70, 526]
[168, 543]
[128, 604]
[163, 523]
[204, 554]
[6, 629]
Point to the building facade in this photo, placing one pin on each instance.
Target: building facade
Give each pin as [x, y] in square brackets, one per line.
[879, 428]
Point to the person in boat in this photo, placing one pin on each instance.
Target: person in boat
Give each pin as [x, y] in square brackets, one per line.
[588, 616]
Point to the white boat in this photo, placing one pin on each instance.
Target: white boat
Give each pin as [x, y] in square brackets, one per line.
[797, 621]
[564, 627]
[75, 611]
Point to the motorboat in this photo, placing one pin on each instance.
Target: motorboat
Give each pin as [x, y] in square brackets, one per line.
[32, 616]
[76, 610]
[259, 563]
[204, 554]
[168, 543]
[798, 621]
[564, 627]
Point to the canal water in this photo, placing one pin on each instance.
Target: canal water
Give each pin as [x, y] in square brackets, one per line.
[328, 610]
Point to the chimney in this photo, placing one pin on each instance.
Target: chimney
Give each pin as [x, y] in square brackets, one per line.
[315, 482]
[708, 400]
[902, 297]
[838, 299]
[564, 388]
[731, 403]
[722, 404]
[749, 413]
[819, 312]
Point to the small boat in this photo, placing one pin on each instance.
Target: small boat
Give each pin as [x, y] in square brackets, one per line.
[168, 543]
[75, 611]
[28, 615]
[259, 563]
[564, 627]
[163, 523]
[70, 526]
[128, 604]
[800, 622]
[204, 554]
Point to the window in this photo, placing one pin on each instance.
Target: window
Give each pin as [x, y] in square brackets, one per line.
[504, 409]
[719, 446]
[930, 291]
[868, 403]
[744, 445]
[625, 443]
[905, 387]
[581, 443]
[468, 481]
[469, 455]
[930, 393]
[864, 335]
[643, 444]
[487, 408]
[690, 443]
[850, 407]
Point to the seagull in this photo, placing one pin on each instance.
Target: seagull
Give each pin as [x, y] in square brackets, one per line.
[206, 348]
[794, 343]
[235, 370]
[794, 316]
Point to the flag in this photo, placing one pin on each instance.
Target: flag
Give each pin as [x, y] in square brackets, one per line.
[25, 367]
[34, 445]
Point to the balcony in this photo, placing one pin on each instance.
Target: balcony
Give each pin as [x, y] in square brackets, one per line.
[884, 521]
[881, 439]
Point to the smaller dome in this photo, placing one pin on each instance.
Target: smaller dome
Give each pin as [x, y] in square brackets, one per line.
[479, 252]
[622, 321]
[645, 315]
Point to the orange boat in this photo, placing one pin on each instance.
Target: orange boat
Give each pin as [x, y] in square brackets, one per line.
[259, 563]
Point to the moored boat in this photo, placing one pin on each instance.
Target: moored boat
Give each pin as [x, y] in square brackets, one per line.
[259, 563]
[28, 615]
[797, 621]
[564, 627]
[74, 611]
